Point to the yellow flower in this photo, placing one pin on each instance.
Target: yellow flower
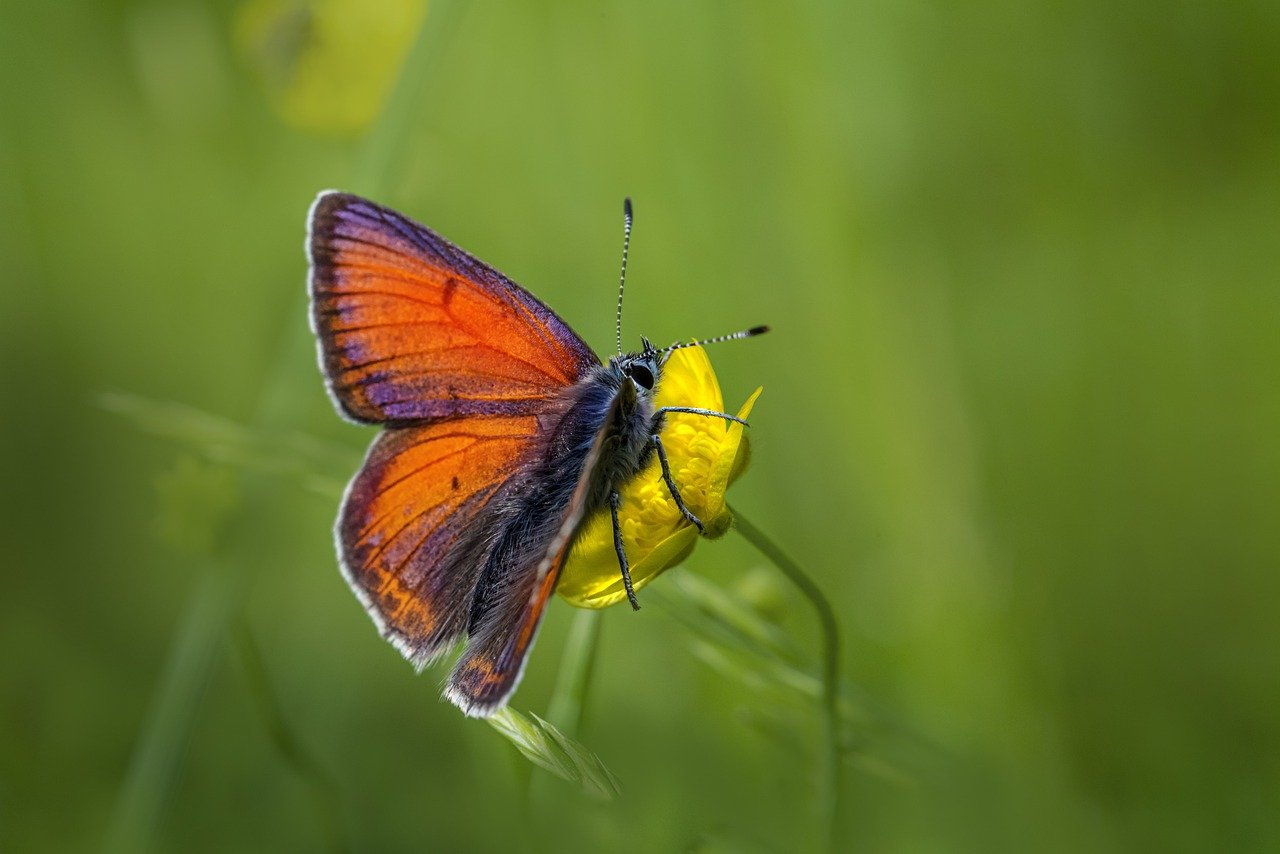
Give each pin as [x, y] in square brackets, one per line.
[328, 65]
[706, 455]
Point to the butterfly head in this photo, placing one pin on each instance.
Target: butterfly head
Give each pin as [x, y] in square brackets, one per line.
[642, 369]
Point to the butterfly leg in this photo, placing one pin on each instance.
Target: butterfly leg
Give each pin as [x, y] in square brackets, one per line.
[695, 411]
[671, 484]
[615, 501]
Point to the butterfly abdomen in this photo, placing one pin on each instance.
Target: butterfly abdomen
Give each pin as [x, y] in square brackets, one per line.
[603, 436]
[521, 520]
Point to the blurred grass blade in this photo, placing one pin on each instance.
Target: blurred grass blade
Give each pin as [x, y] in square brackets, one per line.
[293, 455]
[553, 751]
[164, 734]
[784, 727]
[163, 740]
[291, 749]
[732, 620]
[384, 144]
[734, 640]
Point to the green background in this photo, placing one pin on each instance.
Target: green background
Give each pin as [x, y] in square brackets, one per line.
[1021, 417]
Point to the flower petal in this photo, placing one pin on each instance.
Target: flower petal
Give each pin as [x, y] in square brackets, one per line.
[688, 380]
[715, 515]
[591, 589]
[742, 457]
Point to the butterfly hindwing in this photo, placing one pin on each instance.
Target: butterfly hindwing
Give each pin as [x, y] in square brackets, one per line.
[410, 519]
[493, 661]
[411, 327]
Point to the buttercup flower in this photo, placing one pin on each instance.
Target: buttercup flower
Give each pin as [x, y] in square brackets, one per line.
[706, 455]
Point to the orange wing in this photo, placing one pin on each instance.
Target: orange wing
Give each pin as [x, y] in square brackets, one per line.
[411, 327]
[420, 490]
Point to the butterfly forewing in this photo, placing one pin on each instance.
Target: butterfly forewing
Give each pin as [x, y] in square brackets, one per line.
[411, 327]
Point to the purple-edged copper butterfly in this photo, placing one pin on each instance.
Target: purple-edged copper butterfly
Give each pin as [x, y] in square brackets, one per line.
[502, 432]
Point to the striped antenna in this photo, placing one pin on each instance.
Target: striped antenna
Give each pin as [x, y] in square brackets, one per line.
[622, 280]
[746, 333]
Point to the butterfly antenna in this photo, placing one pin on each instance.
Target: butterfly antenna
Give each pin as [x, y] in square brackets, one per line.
[732, 336]
[622, 280]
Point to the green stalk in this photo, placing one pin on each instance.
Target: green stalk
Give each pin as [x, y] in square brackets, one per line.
[829, 768]
[577, 664]
[569, 697]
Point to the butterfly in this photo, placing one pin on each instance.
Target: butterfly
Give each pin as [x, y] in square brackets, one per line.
[502, 431]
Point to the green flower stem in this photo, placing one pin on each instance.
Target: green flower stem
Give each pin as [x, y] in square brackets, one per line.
[577, 665]
[829, 773]
[569, 697]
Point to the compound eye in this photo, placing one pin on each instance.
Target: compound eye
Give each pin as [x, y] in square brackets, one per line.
[642, 375]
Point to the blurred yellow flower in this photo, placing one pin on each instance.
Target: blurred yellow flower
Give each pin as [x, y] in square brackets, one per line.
[328, 65]
[706, 455]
